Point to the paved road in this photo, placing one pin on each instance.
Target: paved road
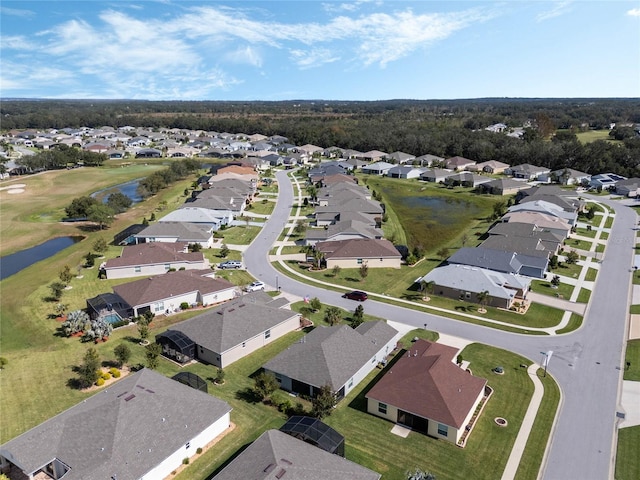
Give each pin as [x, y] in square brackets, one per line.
[586, 363]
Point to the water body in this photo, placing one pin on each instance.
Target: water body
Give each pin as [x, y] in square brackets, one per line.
[130, 189]
[12, 264]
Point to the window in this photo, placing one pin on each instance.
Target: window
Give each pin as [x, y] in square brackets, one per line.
[351, 383]
[359, 261]
[167, 266]
[382, 408]
[278, 377]
[267, 334]
[373, 360]
[467, 294]
[443, 430]
[158, 307]
[137, 269]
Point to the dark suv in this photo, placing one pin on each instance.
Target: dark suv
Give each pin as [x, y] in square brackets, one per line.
[356, 295]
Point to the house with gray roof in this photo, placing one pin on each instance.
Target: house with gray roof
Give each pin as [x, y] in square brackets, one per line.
[466, 179]
[177, 232]
[230, 331]
[605, 181]
[427, 392]
[459, 163]
[377, 168]
[533, 247]
[342, 230]
[503, 186]
[153, 258]
[567, 176]
[338, 356]
[401, 157]
[328, 214]
[527, 230]
[275, 455]
[142, 426]
[501, 261]
[548, 208]
[628, 188]
[354, 252]
[191, 214]
[436, 175]
[462, 282]
[527, 171]
[491, 166]
[428, 160]
[165, 293]
[405, 171]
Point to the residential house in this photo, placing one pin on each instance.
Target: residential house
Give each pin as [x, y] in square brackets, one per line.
[496, 128]
[567, 176]
[275, 455]
[141, 427]
[230, 331]
[339, 356]
[605, 181]
[401, 157]
[503, 186]
[554, 224]
[527, 171]
[548, 208]
[153, 258]
[466, 179]
[148, 153]
[163, 294]
[405, 171]
[354, 252]
[459, 163]
[436, 175]
[428, 160]
[551, 240]
[461, 282]
[628, 188]
[493, 167]
[198, 215]
[533, 247]
[177, 232]
[501, 261]
[326, 215]
[427, 392]
[377, 168]
[373, 156]
[342, 230]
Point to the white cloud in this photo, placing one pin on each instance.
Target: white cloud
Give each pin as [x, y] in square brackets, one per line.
[245, 55]
[315, 57]
[634, 12]
[17, 42]
[16, 12]
[558, 9]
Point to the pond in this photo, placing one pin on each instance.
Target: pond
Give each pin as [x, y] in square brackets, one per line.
[130, 189]
[12, 264]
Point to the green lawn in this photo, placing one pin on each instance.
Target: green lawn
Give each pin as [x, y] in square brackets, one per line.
[627, 458]
[593, 135]
[262, 207]
[585, 232]
[633, 356]
[634, 309]
[575, 321]
[572, 243]
[591, 275]
[584, 295]
[240, 235]
[608, 223]
[544, 287]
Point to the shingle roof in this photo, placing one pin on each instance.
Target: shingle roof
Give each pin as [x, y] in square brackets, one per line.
[332, 355]
[234, 322]
[154, 253]
[167, 285]
[426, 383]
[123, 431]
[276, 455]
[343, 227]
[499, 260]
[358, 248]
[183, 230]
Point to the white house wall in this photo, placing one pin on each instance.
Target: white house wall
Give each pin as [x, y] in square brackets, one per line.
[158, 269]
[219, 297]
[380, 355]
[173, 461]
[371, 262]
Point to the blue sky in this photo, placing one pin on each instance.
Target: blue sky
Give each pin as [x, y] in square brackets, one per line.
[331, 50]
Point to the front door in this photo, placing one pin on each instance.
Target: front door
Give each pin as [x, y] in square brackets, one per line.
[412, 421]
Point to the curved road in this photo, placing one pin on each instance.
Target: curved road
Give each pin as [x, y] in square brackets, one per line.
[587, 363]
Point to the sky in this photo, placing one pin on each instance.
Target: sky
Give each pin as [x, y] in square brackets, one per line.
[319, 50]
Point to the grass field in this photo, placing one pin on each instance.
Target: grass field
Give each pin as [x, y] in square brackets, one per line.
[32, 217]
[593, 135]
[627, 458]
[633, 356]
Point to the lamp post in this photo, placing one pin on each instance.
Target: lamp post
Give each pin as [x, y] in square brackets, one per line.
[546, 356]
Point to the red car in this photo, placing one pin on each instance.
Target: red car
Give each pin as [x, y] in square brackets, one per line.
[356, 295]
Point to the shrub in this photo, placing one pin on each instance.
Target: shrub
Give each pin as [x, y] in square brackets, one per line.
[105, 375]
[185, 461]
[121, 323]
[184, 306]
[285, 406]
[198, 450]
[100, 382]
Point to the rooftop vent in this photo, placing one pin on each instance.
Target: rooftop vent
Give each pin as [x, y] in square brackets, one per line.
[269, 467]
[281, 473]
[129, 397]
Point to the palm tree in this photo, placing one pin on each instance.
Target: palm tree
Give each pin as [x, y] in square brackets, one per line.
[483, 298]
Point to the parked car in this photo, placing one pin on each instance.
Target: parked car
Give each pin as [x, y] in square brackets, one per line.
[254, 287]
[230, 264]
[356, 295]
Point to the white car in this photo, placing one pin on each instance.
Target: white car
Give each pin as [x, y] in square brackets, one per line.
[254, 287]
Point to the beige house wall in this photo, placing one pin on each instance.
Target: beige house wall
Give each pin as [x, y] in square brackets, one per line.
[371, 262]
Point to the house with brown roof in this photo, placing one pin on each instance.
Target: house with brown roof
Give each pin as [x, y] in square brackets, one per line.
[352, 253]
[459, 163]
[491, 166]
[164, 293]
[427, 392]
[154, 258]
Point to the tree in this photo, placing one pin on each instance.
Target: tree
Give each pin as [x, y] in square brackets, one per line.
[122, 353]
[224, 250]
[315, 304]
[79, 207]
[119, 202]
[264, 385]
[77, 321]
[427, 287]
[464, 239]
[358, 317]
[195, 247]
[61, 308]
[100, 214]
[219, 376]
[100, 245]
[443, 253]
[553, 262]
[364, 270]
[152, 352]
[323, 403]
[65, 274]
[333, 315]
[56, 290]
[483, 298]
[89, 369]
[312, 191]
[300, 228]
[318, 256]
[336, 270]
[572, 257]
[555, 281]
[143, 328]
[498, 210]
